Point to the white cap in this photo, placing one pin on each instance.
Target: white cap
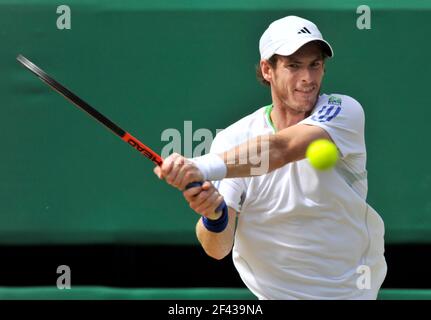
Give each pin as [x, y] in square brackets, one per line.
[285, 36]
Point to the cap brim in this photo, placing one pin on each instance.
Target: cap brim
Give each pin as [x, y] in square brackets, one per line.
[288, 48]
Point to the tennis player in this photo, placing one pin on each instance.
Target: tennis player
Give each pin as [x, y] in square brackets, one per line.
[296, 233]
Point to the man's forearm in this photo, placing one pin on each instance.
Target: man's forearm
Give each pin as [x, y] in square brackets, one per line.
[217, 245]
[266, 153]
[257, 156]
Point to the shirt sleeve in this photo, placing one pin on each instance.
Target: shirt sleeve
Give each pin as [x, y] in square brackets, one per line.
[342, 117]
[233, 190]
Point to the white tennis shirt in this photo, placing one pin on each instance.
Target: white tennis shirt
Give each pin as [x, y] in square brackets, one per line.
[303, 233]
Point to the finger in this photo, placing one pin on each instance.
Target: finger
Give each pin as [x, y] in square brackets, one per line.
[211, 211]
[192, 174]
[192, 192]
[210, 197]
[168, 164]
[207, 185]
[218, 202]
[178, 181]
[175, 170]
[158, 172]
[197, 201]
[208, 204]
[170, 178]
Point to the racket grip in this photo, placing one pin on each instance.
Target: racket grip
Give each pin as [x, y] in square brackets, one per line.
[222, 207]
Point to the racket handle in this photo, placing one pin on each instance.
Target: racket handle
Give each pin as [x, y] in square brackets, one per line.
[222, 207]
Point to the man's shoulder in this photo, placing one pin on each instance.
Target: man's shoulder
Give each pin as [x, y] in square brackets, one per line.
[329, 106]
[338, 100]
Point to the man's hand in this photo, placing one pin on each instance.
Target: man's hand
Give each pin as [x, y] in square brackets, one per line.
[204, 200]
[178, 171]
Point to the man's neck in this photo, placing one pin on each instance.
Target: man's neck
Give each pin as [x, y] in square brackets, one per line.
[283, 117]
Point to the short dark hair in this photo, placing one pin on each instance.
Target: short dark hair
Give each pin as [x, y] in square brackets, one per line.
[273, 63]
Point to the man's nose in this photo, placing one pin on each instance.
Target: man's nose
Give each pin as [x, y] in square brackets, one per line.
[306, 75]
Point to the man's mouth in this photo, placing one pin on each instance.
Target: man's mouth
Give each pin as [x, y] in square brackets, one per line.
[306, 90]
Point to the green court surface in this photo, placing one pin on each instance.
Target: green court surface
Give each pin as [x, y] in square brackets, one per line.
[107, 293]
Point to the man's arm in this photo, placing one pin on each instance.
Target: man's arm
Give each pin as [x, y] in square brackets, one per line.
[256, 156]
[204, 200]
[267, 153]
[217, 245]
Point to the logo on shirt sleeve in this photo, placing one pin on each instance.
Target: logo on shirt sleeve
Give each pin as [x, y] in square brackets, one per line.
[326, 113]
[334, 101]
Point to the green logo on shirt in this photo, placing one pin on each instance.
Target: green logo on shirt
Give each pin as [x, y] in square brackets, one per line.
[334, 101]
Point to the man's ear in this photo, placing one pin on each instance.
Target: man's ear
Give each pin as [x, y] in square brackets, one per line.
[265, 68]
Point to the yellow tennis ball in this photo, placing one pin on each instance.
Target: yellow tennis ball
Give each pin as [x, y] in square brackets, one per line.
[322, 154]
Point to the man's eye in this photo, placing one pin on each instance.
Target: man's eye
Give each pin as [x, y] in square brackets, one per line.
[293, 65]
[315, 64]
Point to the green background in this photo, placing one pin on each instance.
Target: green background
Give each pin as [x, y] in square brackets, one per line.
[150, 66]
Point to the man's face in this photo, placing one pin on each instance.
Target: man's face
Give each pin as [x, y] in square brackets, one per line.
[296, 78]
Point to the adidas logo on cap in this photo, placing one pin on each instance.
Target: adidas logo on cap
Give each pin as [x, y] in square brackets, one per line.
[304, 30]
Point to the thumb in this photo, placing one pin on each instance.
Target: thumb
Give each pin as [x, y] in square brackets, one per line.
[158, 172]
[206, 185]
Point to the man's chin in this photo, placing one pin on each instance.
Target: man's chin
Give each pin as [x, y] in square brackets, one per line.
[300, 106]
[304, 107]
[307, 105]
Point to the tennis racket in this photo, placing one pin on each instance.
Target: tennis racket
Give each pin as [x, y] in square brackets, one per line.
[124, 135]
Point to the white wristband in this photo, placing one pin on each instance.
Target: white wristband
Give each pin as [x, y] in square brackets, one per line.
[211, 166]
